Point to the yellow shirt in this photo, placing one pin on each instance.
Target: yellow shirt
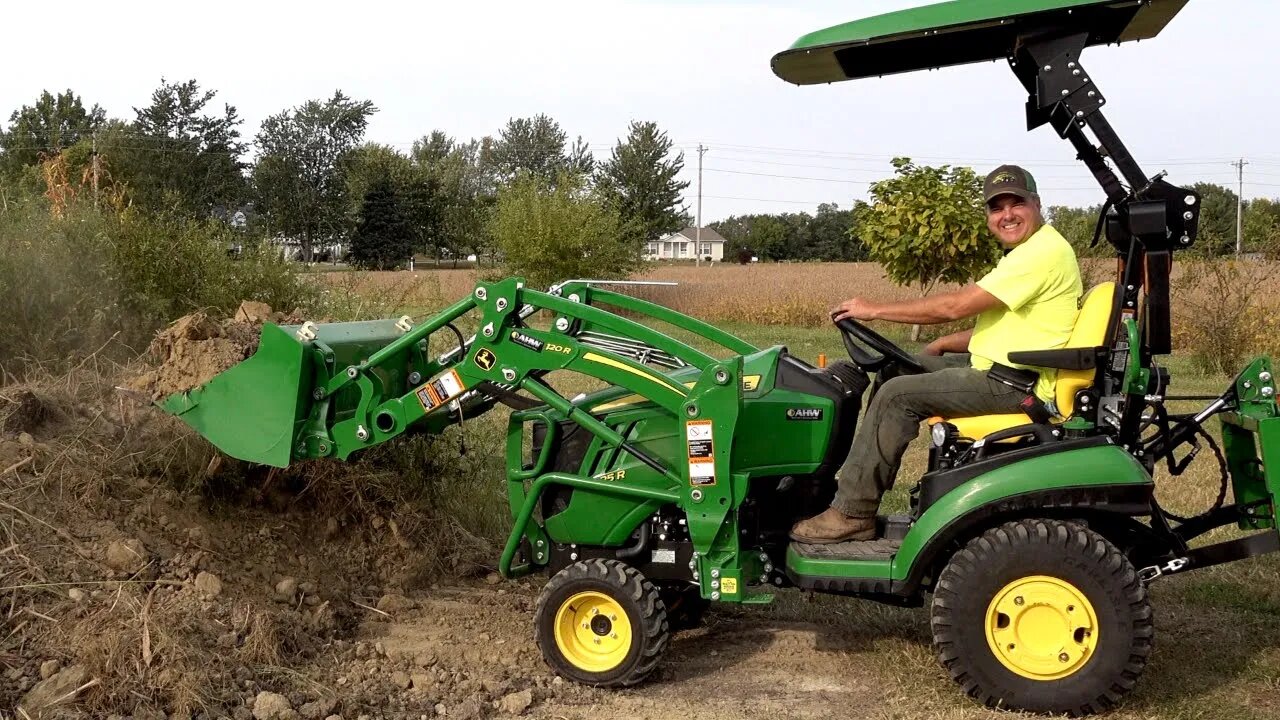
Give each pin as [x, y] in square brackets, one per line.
[1039, 284]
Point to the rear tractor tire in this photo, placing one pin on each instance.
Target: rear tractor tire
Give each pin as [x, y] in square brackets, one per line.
[1042, 615]
[601, 623]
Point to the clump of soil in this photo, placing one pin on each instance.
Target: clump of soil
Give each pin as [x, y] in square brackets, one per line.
[196, 347]
[25, 411]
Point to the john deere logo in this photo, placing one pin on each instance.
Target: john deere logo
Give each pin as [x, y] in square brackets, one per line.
[485, 359]
[1004, 177]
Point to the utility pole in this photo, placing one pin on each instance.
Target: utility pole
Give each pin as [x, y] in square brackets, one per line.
[95, 169]
[697, 230]
[1239, 208]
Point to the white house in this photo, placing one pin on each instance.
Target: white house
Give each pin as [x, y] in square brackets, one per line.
[681, 246]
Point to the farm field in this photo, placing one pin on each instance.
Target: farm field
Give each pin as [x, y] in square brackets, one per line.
[369, 592]
[797, 294]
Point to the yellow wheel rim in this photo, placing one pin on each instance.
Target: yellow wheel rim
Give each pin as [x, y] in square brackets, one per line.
[1042, 628]
[592, 631]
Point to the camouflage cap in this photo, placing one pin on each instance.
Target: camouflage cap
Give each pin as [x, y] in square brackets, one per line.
[1009, 180]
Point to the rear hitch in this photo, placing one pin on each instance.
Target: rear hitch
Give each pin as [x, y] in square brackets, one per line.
[1152, 573]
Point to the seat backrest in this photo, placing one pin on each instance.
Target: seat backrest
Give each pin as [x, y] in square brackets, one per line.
[1090, 331]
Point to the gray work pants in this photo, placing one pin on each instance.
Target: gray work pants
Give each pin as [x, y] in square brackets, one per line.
[899, 403]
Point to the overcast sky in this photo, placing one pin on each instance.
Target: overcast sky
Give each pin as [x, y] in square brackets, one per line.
[1190, 101]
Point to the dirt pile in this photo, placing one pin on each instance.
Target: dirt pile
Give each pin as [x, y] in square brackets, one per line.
[196, 347]
[144, 574]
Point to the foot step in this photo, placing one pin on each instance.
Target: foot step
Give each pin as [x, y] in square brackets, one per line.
[852, 550]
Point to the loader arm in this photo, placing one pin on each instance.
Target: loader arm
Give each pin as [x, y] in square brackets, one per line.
[317, 391]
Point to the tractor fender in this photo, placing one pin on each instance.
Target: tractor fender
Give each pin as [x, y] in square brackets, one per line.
[1081, 481]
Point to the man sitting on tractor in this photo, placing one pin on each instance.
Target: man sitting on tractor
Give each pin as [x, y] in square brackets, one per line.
[1029, 301]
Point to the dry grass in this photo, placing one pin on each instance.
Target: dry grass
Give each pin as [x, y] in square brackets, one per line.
[799, 294]
[765, 294]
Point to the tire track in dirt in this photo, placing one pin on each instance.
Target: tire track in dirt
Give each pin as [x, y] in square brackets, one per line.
[733, 667]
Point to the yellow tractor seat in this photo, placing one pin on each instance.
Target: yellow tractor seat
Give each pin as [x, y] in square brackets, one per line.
[1090, 331]
[983, 425]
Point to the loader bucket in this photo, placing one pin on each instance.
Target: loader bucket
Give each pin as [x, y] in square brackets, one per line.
[251, 410]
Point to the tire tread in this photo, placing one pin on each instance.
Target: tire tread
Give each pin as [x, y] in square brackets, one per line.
[626, 582]
[1072, 538]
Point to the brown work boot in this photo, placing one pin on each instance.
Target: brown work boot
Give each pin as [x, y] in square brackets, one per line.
[833, 526]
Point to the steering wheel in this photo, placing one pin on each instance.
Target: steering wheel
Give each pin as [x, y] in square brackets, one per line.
[882, 351]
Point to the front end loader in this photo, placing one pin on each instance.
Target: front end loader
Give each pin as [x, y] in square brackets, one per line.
[675, 486]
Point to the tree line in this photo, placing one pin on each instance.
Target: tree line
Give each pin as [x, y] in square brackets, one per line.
[528, 194]
[1217, 236]
[309, 177]
[832, 234]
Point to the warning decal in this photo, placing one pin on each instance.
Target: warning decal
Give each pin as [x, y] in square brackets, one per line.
[702, 462]
[440, 390]
[729, 586]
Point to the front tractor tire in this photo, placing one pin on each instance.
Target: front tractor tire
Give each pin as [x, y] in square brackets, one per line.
[1042, 615]
[601, 623]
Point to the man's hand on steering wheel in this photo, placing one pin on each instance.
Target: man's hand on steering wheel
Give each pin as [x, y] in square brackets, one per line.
[854, 309]
[871, 351]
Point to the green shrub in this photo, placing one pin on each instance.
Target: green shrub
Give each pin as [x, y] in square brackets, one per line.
[97, 280]
[552, 232]
[170, 267]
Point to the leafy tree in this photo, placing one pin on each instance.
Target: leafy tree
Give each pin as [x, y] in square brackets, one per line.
[639, 181]
[1262, 227]
[537, 145]
[181, 155]
[416, 190]
[927, 225]
[298, 181]
[735, 229]
[825, 235]
[831, 238]
[54, 123]
[383, 236]
[464, 187]
[1077, 226]
[768, 238]
[366, 165]
[1217, 219]
[432, 148]
[549, 232]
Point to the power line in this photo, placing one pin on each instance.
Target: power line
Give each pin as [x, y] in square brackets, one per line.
[771, 200]
[790, 177]
[878, 167]
[779, 151]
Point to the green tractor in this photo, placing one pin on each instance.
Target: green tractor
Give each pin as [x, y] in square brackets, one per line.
[674, 487]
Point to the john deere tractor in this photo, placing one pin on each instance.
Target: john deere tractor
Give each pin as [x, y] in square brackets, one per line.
[1033, 542]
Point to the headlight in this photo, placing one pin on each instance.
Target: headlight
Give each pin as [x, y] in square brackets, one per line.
[940, 433]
